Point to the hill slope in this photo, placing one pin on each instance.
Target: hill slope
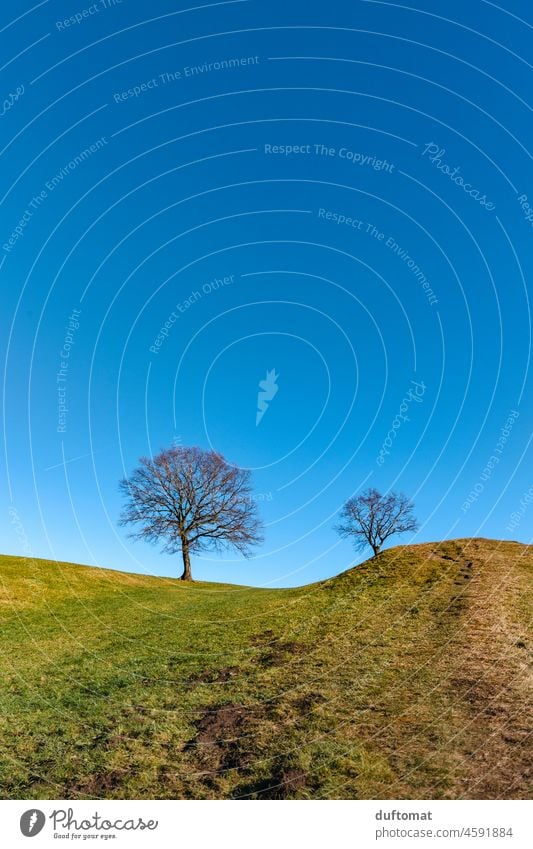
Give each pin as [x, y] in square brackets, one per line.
[403, 678]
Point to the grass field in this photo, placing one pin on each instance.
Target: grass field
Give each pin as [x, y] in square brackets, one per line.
[405, 677]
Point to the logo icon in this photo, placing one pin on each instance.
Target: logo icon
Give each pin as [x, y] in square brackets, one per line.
[32, 822]
[268, 388]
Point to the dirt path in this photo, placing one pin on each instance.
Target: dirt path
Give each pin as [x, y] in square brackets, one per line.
[493, 681]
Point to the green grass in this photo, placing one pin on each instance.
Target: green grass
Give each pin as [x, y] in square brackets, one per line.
[370, 685]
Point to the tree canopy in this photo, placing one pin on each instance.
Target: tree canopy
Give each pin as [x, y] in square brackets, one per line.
[190, 499]
[371, 518]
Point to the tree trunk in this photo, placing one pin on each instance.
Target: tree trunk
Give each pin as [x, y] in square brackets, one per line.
[187, 574]
[376, 549]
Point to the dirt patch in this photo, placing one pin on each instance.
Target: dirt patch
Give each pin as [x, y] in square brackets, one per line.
[279, 653]
[276, 652]
[222, 724]
[306, 703]
[286, 782]
[97, 786]
[214, 676]
[225, 736]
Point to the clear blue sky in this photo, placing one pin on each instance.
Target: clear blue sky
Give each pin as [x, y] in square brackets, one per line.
[355, 174]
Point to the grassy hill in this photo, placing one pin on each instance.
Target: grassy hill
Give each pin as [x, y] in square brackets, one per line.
[403, 678]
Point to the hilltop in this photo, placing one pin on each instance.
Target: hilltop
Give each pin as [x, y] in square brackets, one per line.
[405, 677]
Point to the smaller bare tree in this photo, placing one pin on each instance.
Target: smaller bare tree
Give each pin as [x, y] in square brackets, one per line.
[371, 518]
[191, 500]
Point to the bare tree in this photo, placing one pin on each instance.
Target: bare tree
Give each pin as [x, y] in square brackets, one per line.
[371, 518]
[191, 500]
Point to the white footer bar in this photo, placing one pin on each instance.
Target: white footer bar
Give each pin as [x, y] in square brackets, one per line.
[267, 824]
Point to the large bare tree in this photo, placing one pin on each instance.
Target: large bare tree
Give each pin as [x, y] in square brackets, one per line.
[371, 518]
[190, 500]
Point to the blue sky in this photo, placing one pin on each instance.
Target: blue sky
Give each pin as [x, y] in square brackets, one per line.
[192, 198]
